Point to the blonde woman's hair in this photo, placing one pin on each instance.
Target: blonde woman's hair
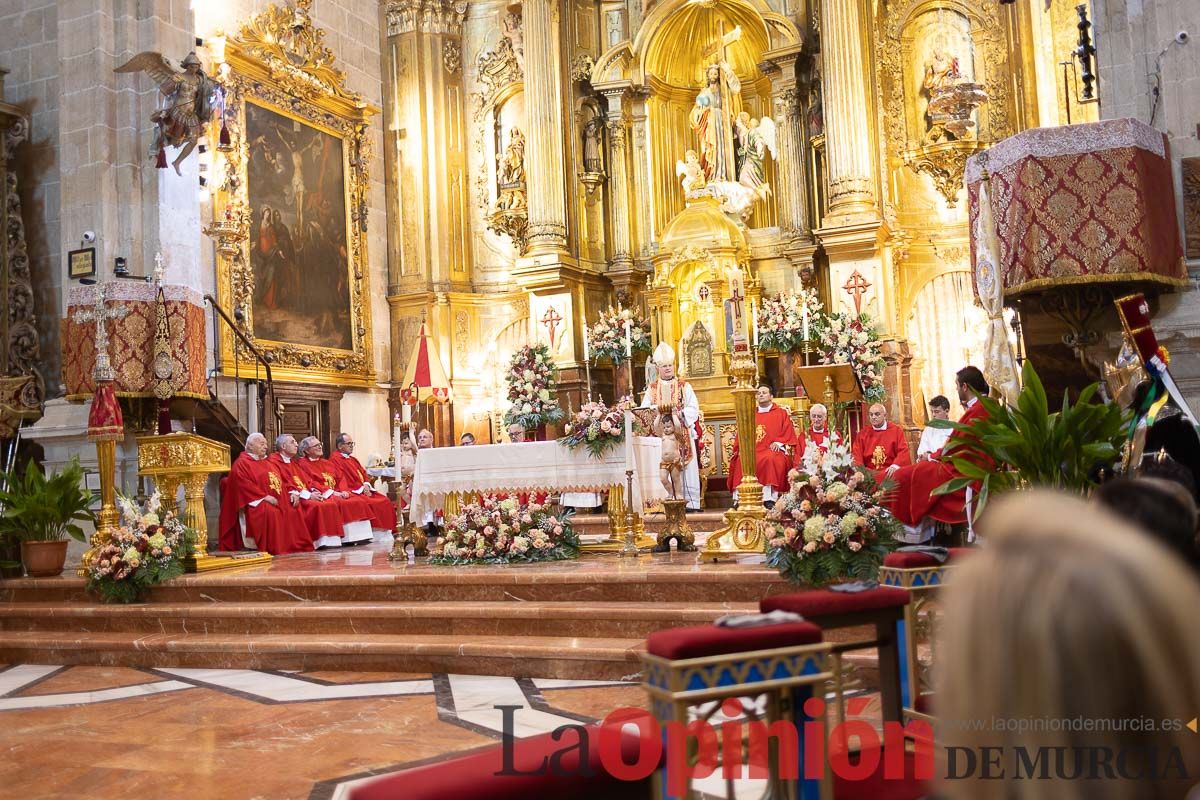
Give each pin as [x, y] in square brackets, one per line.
[1068, 617]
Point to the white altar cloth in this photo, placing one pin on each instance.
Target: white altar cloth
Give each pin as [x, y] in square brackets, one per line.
[533, 466]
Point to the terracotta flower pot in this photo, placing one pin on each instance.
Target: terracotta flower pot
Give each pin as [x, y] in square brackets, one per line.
[44, 559]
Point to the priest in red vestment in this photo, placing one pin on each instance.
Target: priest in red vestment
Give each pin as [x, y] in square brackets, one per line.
[881, 446]
[254, 511]
[775, 445]
[324, 521]
[354, 479]
[321, 478]
[817, 435]
[913, 500]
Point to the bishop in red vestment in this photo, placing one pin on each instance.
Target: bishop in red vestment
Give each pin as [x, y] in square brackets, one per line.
[254, 508]
[913, 499]
[775, 443]
[324, 521]
[817, 434]
[353, 478]
[882, 446]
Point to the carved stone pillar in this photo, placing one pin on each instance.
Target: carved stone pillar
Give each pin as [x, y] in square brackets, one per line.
[791, 191]
[544, 140]
[426, 149]
[619, 194]
[847, 124]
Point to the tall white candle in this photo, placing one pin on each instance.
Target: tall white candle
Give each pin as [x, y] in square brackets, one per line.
[628, 340]
[587, 347]
[396, 444]
[804, 323]
[679, 362]
[406, 413]
[754, 321]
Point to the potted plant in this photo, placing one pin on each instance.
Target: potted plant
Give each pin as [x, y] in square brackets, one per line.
[42, 512]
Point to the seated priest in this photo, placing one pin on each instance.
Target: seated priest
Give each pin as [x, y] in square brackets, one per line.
[881, 446]
[354, 479]
[325, 521]
[252, 514]
[320, 476]
[913, 502]
[775, 445]
[817, 435]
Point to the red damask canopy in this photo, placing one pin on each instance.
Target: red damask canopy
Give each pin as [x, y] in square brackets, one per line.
[1091, 203]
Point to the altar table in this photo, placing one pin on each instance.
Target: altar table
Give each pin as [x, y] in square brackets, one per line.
[443, 472]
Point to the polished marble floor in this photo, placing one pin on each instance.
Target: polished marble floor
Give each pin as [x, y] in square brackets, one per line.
[113, 732]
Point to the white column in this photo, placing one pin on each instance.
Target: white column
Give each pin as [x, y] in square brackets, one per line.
[544, 139]
[847, 125]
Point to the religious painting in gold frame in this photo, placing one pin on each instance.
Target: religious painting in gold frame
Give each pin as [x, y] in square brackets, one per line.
[299, 151]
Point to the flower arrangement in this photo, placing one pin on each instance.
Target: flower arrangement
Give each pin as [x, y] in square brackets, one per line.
[784, 321]
[495, 531]
[831, 524]
[606, 338]
[599, 428]
[531, 380]
[844, 338]
[148, 548]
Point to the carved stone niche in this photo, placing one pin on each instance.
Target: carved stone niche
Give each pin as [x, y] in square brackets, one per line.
[22, 390]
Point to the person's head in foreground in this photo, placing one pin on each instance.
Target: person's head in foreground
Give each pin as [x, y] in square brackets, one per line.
[1068, 617]
[1160, 507]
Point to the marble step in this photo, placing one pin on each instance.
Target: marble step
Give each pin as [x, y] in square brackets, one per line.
[643, 581]
[527, 656]
[604, 620]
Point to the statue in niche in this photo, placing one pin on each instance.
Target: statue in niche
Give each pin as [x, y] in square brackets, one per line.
[593, 144]
[511, 173]
[191, 99]
[951, 97]
[711, 124]
[756, 137]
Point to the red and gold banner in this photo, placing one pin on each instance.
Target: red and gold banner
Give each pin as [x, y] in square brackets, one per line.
[131, 340]
[1088, 203]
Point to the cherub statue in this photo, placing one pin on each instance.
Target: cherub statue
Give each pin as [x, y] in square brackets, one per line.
[191, 97]
[691, 171]
[676, 451]
[406, 465]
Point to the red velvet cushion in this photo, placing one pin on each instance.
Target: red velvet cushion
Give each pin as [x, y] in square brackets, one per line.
[710, 640]
[958, 552]
[473, 776]
[911, 561]
[823, 602]
[924, 704]
[876, 787]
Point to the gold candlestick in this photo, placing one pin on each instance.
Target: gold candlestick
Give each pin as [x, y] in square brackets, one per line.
[629, 549]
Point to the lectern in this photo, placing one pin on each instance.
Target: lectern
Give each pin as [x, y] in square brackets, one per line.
[834, 384]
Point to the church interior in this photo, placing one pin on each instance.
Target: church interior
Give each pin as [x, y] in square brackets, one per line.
[391, 386]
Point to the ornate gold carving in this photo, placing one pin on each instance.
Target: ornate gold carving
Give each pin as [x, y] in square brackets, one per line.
[452, 57]
[426, 16]
[285, 42]
[498, 68]
[181, 452]
[581, 68]
[278, 61]
[945, 163]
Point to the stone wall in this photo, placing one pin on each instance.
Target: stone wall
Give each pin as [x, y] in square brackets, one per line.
[1137, 51]
[29, 51]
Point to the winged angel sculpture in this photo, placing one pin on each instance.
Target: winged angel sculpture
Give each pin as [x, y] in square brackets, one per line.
[189, 100]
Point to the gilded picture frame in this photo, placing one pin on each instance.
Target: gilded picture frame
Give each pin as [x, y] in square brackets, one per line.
[296, 147]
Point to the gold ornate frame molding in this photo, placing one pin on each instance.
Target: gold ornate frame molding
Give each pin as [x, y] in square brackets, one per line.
[278, 61]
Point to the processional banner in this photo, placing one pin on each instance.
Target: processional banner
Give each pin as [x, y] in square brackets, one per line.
[1089, 203]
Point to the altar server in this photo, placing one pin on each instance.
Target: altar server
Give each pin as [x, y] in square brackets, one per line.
[252, 514]
[353, 478]
[775, 445]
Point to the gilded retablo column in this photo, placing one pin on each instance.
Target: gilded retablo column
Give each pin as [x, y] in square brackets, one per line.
[544, 141]
[618, 134]
[847, 126]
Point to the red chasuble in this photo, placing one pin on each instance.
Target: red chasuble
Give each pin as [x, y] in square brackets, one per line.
[912, 499]
[820, 439]
[321, 475]
[881, 449]
[770, 426]
[275, 529]
[351, 478]
[321, 517]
